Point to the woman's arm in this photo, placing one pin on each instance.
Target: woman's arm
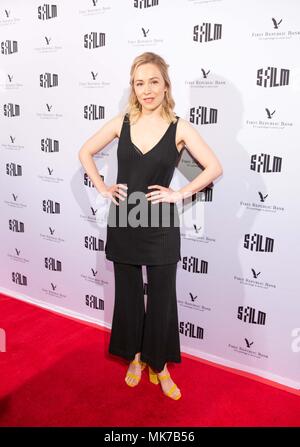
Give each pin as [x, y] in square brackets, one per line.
[107, 133]
[203, 154]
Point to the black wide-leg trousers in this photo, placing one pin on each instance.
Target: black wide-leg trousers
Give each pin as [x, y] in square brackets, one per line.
[153, 331]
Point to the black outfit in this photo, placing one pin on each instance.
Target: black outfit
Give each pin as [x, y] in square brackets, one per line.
[153, 332]
[144, 245]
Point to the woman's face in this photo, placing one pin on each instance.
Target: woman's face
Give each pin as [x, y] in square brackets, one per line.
[149, 83]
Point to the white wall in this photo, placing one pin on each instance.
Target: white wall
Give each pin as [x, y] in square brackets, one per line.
[251, 119]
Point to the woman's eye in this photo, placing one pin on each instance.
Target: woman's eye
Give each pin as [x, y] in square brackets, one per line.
[154, 82]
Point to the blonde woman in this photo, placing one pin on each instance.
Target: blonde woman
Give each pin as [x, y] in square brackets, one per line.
[151, 137]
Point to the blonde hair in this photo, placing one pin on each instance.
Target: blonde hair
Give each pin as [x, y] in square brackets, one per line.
[134, 108]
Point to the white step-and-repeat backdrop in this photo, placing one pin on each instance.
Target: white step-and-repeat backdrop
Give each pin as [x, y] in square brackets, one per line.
[235, 72]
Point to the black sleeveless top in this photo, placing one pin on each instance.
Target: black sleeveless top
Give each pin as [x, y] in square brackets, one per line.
[155, 238]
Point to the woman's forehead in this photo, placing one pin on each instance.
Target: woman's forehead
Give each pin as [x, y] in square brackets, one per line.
[147, 71]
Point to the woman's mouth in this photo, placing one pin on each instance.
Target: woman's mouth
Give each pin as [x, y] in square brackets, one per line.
[148, 100]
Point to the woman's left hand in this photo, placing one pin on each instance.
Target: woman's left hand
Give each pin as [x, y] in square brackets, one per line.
[163, 194]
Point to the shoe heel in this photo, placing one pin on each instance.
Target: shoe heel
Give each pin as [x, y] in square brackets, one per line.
[153, 377]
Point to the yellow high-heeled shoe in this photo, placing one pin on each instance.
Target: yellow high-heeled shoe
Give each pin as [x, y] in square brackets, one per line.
[156, 379]
[134, 376]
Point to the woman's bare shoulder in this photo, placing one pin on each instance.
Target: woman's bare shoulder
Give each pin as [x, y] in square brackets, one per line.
[182, 123]
[182, 126]
[118, 122]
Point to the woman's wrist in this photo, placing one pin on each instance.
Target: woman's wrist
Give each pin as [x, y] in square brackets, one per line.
[103, 190]
[182, 195]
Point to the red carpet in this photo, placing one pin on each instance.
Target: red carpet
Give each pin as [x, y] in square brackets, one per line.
[57, 372]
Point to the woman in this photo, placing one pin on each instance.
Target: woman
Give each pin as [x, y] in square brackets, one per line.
[151, 138]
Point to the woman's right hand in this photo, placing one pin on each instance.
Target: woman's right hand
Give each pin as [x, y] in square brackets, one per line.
[115, 191]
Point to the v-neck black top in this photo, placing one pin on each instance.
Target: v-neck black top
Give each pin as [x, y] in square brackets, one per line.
[144, 245]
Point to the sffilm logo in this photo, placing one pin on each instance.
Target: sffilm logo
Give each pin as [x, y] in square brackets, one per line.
[48, 80]
[9, 47]
[18, 278]
[194, 265]
[13, 169]
[16, 226]
[265, 163]
[87, 181]
[51, 207]
[272, 77]
[94, 302]
[10, 110]
[49, 145]
[203, 115]
[94, 244]
[46, 11]
[259, 243]
[93, 40]
[206, 195]
[93, 112]
[207, 32]
[53, 264]
[191, 330]
[251, 315]
[144, 3]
